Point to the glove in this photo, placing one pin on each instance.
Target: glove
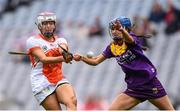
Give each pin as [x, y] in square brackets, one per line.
[68, 57]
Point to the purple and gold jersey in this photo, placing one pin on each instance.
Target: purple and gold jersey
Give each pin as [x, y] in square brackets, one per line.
[137, 67]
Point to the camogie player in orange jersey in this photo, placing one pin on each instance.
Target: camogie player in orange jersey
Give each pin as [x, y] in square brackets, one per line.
[49, 86]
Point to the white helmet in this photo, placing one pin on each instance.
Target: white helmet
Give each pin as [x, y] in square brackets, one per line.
[45, 16]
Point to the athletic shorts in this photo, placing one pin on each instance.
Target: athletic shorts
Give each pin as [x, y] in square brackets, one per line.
[151, 90]
[50, 89]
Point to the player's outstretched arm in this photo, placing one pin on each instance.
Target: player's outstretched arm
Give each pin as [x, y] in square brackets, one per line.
[91, 61]
[44, 59]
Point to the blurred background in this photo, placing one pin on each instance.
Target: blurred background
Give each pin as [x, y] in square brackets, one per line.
[84, 23]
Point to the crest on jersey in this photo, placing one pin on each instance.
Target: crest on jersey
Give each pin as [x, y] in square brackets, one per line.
[118, 50]
[44, 48]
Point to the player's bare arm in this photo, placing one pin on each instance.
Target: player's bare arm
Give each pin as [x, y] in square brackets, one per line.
[44, 59]
[91, 61]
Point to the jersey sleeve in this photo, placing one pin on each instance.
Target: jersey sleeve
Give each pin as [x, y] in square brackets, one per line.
[31, 44]
[62, 41]
[136, 39]
[107, 52]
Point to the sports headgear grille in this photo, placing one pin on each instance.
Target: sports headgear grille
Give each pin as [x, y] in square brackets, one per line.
[124, 21]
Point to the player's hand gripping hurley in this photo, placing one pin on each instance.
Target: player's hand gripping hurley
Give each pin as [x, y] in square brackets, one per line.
[68, 57]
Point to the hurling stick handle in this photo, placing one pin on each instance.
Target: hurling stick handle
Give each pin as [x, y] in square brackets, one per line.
[17, 53]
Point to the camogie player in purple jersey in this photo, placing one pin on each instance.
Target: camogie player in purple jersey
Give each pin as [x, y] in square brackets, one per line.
[140, 73]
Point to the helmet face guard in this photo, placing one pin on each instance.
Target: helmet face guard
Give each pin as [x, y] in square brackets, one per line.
[44, 17]
[112, 26]
[124, 21]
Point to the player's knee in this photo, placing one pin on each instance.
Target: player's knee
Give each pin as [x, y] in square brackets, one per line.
[74, 100]
[71, 103]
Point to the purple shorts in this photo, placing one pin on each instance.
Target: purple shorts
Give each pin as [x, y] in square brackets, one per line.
[150, 90]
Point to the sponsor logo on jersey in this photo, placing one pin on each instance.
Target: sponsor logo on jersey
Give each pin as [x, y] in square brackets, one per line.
[128, 56]
[155, 90]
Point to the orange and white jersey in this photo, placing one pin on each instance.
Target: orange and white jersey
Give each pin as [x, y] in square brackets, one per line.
[44, 74]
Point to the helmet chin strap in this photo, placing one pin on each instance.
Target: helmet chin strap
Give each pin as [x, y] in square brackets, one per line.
[48, 34]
